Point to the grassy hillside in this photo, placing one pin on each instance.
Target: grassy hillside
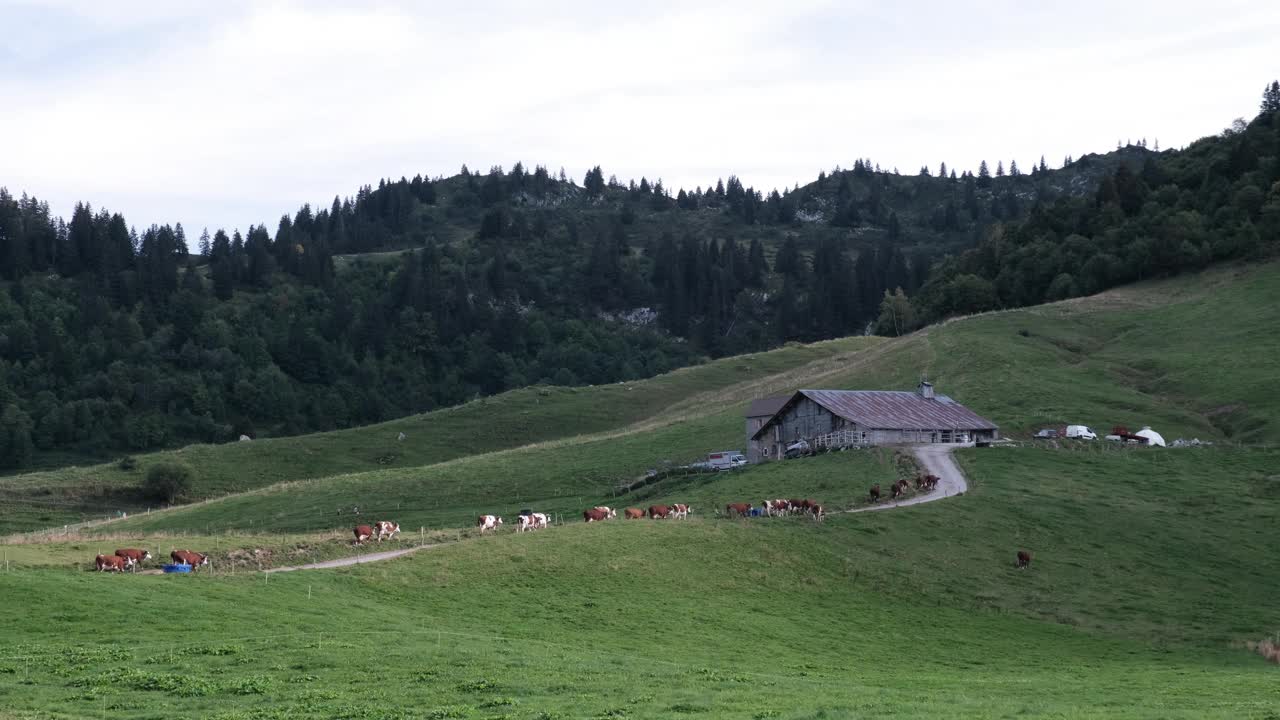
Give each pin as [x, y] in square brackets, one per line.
[1153, 568]
[1131, 357]
[509, 420]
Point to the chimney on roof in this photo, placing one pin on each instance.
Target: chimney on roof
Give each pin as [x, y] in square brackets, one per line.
[925, 389]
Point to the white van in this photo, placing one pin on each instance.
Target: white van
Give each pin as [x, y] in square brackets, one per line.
[726, 460]
[1081, 432]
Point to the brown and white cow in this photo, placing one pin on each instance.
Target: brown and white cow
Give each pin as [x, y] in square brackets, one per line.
[186, 557]
[875, 493]
[362, 533]
[817, 511]
[596, 514]
[134, 555]
[774, 508]
[524, 522]
[896, 490]
[1024, 560]
[488, 522]
[659, 511]
[385, 529]
[680, 511]
[633, 513]
[608, 510]
[111, 563]
[540, 520]
[739, 509]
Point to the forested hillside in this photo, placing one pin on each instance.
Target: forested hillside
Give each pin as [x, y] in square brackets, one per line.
[114, 339]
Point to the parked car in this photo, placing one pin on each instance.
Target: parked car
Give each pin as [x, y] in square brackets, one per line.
[796, 449]
[1081, 432]
[1046, 434]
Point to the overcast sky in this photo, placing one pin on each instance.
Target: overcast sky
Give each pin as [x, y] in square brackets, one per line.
[228, 114]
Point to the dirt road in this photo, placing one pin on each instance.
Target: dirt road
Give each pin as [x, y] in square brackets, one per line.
[936, 460]
[356, 560]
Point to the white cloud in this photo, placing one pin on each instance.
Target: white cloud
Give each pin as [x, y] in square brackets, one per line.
[230, 116]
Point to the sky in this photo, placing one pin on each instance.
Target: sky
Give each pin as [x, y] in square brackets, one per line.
[233, 113]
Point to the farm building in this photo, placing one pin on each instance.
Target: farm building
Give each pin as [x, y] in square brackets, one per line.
[844, 418]
[757, 415]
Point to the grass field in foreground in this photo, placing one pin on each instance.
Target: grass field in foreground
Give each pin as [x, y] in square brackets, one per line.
[1142, 591]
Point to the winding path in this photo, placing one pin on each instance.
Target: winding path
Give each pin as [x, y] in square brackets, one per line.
[356, 560]
[936, 460]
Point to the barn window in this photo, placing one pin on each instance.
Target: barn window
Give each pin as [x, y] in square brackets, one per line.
[766, 452]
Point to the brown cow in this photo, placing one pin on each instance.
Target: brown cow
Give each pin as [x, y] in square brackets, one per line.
[659, 511]
[186, 557]
[595, 515]
[896, 490]
[633, 513]
[739, 509]
[875, 493]
[134, 555]
[931, 482]
[363, 532]
[111, 563]
[1024, 560]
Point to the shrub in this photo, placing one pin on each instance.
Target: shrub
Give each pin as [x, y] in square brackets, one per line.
[167, 481]
[128, 463]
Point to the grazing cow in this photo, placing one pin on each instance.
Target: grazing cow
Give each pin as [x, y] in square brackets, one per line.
[362, 533]
[633, 513]
[540, 520]
[610, 512]
[817, 511]
[795, 505]
[739, 509]
[385, 529]
[680, 511]
[1024, 560]
[488, 522]
[596, 515]
[875, 493]
[134, 555]
[111, 563]
[186, 557]
[659, 511]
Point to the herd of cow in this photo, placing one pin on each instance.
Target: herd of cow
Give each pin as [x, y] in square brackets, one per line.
[131, 558]
[924, 483]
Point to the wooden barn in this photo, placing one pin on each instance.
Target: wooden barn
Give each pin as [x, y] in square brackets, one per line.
[757, 415]
[845, 418]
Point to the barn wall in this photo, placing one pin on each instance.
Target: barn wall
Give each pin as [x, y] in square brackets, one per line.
[756, 448]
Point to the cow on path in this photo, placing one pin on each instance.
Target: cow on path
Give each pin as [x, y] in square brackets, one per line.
[111, 563]
[134, 555]
[186, 557]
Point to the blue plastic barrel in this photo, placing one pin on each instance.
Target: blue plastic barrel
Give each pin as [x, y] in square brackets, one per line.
[182, 568]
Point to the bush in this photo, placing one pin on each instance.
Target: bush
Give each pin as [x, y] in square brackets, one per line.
[128, 463]
[167, 481]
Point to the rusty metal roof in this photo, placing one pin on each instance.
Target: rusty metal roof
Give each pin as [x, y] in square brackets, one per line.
[767, 406]
[891, 410]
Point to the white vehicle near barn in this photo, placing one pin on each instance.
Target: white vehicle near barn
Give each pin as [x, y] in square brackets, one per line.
[726, 460]
[1081, 432]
